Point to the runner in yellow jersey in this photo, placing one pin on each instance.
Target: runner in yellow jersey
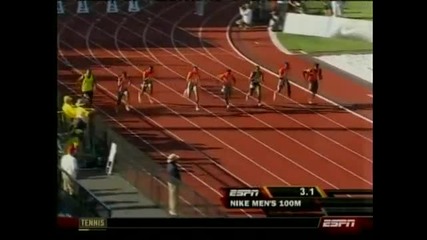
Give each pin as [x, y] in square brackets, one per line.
[88, 85]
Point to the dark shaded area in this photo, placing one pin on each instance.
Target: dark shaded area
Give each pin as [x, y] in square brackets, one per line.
[105, 28]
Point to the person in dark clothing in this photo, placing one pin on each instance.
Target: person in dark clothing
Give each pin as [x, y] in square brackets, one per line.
[173, 183]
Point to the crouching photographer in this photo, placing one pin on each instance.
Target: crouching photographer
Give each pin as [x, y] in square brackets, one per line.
[246, 16]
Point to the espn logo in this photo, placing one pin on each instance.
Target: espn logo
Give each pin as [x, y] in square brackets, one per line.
[243, 193]
[338, 223]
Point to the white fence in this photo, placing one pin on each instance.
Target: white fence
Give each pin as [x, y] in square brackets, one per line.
[328, 26]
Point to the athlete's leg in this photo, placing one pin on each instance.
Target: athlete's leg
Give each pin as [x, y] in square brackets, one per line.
[185, 93]
[288, 87]
[126, 100]
[250, 92]
[227, 95]
[313, 87]
[190, 90]
[258, 91]
[196, 96]
[88, 95]
[278, 89]
[149, 91]
[141, 91]
[119, 100]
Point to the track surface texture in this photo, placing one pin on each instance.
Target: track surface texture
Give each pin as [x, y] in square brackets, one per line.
[282, 143]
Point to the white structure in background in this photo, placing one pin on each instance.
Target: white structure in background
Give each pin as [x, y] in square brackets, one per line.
[359, 65]
[59, 7]
[110, 163]
[82, 7]
[327, 26]
[200, 7]
[112, 6]
[133, 6]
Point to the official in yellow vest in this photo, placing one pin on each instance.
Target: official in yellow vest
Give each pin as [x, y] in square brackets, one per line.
[68, 108]
[88, 85]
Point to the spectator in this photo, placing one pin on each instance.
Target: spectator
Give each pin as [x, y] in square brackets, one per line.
[274, 23]
[68, 164]
[295, 6]
[328, 7]
[336, 8]
[173, 184]
[282, 6]
[246, 14]
[200, 7]
[255, 6]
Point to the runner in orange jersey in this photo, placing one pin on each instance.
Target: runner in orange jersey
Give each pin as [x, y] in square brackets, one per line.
[193, 84]
[147, 84]
[283, 81]
[313, 75]
[123, 84]
[228, 81]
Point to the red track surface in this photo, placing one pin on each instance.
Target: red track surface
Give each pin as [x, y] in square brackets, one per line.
[286, 143]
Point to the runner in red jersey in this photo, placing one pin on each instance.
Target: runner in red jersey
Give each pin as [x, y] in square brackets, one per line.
[123, 84]
[283, 81]
[313, 75]
[228, 81]
[147, 84]
[193, 84]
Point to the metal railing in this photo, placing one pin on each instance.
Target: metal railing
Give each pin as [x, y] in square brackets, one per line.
[150, 178]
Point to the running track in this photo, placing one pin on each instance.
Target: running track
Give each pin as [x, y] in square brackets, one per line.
[282, 143]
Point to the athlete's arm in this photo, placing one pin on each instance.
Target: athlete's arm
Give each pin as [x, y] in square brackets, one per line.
[251, 76]
[144, 76]
[262, 77]
[320, 74]
[221, 77]
[234, 80]
[129, 82]
[304, 73]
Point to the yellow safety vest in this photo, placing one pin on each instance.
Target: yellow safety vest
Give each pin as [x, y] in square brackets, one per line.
[87, 84]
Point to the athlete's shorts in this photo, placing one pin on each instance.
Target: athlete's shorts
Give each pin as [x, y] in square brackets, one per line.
[313, 86]
[147, 86]
[227, 90]
[120, 95]
[282, 83]
[254, 86]
[88, 95]
[191, 88]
